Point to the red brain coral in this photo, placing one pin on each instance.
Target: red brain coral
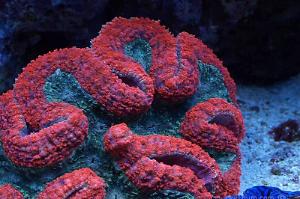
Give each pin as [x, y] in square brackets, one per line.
[38, 133]
[9, 192]
[79, 184]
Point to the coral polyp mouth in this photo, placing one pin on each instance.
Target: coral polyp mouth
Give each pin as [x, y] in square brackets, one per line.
[187, 161]
[226, 120]
[75, 191]
[28, 129]
[131, 80]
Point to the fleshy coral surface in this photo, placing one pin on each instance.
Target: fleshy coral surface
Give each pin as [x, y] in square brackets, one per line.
[54, 120]
[79, 184]
[9, 192]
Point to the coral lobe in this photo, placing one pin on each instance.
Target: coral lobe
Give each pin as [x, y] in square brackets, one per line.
[79, 184]
[9, 192]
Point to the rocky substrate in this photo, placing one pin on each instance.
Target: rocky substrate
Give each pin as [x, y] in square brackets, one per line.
[265, 161]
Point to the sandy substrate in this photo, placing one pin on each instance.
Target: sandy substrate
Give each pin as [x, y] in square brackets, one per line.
[266, 162]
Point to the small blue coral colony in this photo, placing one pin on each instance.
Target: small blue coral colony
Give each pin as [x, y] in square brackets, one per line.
[264, 192]
[139, 114]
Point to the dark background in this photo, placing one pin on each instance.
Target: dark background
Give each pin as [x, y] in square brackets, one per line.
[258, 40]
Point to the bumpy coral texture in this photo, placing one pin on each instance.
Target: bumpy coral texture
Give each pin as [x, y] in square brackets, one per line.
[9, 192]
[79, 184]
[129, 65]
[61, 130]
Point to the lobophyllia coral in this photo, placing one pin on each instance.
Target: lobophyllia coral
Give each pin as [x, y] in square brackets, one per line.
[54, 119]
[150, 160]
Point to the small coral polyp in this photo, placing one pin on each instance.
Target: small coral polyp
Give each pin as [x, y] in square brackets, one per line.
[61, 115]
[79, 184]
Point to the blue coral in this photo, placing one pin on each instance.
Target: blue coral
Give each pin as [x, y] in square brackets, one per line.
[264, 192]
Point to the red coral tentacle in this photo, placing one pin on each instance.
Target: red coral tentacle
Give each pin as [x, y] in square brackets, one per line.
[7, 191]
[206, 55]
[129, 148]
[79, 184]
[175, 77]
